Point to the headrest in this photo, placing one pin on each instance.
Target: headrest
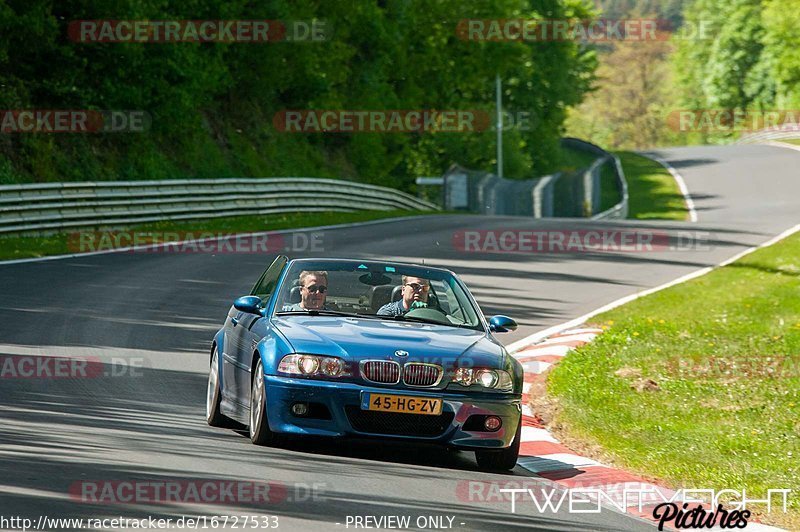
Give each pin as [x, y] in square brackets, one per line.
[294, 295]
[379, 296]
[397, 293]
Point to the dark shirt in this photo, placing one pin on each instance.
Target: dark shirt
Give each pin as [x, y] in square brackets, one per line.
[393, 309]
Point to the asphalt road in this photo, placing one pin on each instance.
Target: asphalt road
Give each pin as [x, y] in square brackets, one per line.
[159, 311]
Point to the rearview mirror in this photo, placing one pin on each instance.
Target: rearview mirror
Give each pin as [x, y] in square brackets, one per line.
[249, 304]
[502, 324]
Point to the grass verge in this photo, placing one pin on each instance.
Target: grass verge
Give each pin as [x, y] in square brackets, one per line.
[698, 384]
[653, 192]
[573, 159]
[610, 193]
[20, 247]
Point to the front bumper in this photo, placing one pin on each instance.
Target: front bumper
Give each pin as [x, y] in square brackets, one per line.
[338, 397]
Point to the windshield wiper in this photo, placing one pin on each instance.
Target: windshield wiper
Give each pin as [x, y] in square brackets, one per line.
[316, 312]
[401, 317]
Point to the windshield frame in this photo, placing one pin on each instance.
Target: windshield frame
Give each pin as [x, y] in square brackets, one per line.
[272, 310]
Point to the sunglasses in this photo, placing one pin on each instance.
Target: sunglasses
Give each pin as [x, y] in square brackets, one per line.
[416, 287]
[314, 289]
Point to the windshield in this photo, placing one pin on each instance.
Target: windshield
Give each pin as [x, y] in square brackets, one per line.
[377, 291]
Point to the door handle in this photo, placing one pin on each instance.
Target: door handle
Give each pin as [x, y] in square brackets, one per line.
[235, 322]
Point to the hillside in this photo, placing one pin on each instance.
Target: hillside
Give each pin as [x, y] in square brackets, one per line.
[213, 109]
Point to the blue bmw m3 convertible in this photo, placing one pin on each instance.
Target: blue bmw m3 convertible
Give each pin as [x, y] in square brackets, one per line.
[333, 347]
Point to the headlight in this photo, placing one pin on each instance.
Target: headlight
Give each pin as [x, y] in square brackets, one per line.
[491, 379]
[308, 365]
[487, 378]
[313, 365]
[463, 376]
[332, 367]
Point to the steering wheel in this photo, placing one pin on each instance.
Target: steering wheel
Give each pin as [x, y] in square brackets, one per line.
[428, 313]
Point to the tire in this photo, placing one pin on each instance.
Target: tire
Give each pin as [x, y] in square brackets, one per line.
[260, 434]
[502, 460]
[213, 415]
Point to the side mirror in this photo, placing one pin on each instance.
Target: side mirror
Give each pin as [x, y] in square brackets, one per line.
[249, 304]
[502, 324]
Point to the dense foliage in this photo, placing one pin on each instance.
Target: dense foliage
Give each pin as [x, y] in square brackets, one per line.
[739, 56]
[752, 60]
[670, 11]
[212, 104]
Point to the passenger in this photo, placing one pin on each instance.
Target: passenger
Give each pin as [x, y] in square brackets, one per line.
[415, 295]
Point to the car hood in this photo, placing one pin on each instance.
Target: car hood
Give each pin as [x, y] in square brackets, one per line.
[362, 338]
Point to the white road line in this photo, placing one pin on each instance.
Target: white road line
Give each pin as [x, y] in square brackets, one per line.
[531, 434]
[585, 330]
[549, 350]
[580, 320]
[535, 366]
[678, 179]
[584, 337]
[779, 144]
[555, 462]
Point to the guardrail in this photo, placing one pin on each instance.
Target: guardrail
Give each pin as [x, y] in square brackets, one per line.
[620, 210]
[574, 194]
[787, 131]
[50, 207]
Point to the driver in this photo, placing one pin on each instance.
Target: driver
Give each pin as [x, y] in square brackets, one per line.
[313, 291]
[415, 294]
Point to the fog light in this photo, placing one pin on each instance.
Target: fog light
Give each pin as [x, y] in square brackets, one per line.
[492, 423]
[300, 409]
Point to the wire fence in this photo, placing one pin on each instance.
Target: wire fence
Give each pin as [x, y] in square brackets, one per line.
[581, 193]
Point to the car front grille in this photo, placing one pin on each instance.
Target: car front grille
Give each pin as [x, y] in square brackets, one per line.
[382, 371]
[418, 374]
[398, 424]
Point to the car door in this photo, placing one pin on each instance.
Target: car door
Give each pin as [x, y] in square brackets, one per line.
[242, 337]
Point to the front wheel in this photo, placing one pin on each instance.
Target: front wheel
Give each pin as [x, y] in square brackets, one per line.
[213, 415]
[260, 434]
[502, 460]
